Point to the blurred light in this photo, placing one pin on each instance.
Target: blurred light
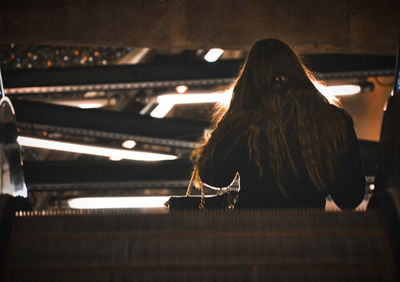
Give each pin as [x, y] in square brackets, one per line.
[92, 150]
[115, 158]
[90, 105]
[213, 97]
[129, 144]
[338, 90]
[22, 192]
[213, 55]
[372, 187]
[168, 101]
[85, 104]
[181, 89]
[162, 110]
[117, 202]
[92, 94]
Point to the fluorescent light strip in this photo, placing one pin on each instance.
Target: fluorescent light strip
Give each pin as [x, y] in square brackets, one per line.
[167, 101]
[83, 104]
[117, 202]
[195, 98]
[162, 110]
[338, 90]
[213, 55]
[92, 150]
[90, 106]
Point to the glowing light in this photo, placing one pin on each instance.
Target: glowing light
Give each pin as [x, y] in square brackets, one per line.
[181, 89]
[338, 90]
[93, 150]
[195, 98]
[129, 144]
[213, 55]
[90, 105]
[372, 187]
[117, 202]
[167, 101]
[162, 110]
[115, 158]
[84, 104]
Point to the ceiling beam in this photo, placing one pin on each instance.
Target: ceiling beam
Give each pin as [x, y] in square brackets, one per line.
[120, 77]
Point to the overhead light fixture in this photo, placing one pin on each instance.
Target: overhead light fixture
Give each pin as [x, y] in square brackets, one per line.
[162, 110]
[93, 150]
[117, 202]
[85, 103]
[181, 89]
[195, 98]
[167, 101]
[115, 158]
[90, 106]
[338, 90]
[128, 144]
[213, 55]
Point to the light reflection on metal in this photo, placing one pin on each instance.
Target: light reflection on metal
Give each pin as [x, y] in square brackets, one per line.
[11, 174]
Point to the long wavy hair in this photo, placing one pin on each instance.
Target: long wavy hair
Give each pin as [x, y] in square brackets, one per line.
[273, 99]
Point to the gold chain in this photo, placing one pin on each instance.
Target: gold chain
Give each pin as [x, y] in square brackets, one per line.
[189, 192]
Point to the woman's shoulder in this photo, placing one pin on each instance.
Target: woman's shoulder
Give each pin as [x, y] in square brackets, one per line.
[342, 113]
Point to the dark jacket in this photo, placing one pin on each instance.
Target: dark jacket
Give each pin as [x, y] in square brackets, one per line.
[347, 190]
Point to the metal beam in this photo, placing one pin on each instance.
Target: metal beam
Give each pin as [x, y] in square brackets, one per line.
[106, 124]
[159, 76]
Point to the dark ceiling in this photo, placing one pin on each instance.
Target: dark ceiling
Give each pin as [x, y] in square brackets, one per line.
[337, 26]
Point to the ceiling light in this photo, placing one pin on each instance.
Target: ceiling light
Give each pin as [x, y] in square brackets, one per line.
[93, 150]
[115, 158]
[162, 110]
[85, 103]
[168, 101]
[181, 89]
[194, 98]
[213, 55]
[338, 90]
[90, 105]
[128, 144]
[117, 202]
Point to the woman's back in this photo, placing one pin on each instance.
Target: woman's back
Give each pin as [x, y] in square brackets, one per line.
[289, 145]
[347, 188]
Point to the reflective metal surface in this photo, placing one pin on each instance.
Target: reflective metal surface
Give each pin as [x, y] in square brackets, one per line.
[11, 174]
